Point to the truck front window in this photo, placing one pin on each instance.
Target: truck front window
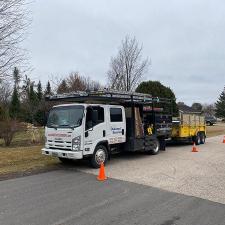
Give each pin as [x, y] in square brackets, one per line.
[66, 116]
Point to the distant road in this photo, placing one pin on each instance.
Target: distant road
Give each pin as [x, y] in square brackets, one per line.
[75, 198]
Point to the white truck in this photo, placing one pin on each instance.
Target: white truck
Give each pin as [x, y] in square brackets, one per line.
[87, 128]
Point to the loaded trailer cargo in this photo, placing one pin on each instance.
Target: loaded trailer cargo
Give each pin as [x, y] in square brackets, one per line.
[189, 127]
[95, 124]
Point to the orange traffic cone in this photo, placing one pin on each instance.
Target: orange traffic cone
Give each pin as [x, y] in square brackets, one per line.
[224, 139]
[194, 149]
[101, 176]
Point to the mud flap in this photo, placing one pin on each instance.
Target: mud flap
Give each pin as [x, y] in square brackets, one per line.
[162, 144]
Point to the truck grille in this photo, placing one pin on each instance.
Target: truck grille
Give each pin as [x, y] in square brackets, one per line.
[62, 145]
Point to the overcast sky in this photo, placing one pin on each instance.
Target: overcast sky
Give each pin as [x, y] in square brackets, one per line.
[185, 40]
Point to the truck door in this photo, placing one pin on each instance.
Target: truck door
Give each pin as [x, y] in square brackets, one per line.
[95, 128]
[117, 125]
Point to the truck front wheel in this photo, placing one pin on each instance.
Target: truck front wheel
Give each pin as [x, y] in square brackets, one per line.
[99, 156]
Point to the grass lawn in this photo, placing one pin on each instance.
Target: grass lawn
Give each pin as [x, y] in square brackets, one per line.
[23, 138]
[23, 156]
[24, 160]
[215, 130]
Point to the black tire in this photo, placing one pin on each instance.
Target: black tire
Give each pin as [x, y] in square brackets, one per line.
[65, 160]
[155, 147]
[99, 156]
[202, 138]
[197, 139]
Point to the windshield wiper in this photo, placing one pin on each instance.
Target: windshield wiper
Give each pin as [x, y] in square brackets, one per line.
[67, 125]
[53, 125]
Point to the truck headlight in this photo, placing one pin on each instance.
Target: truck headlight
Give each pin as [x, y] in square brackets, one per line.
[76, 142]
[46, 142]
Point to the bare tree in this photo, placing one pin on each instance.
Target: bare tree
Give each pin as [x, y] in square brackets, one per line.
[128, 67]
[209, 109]
[8, 129]
[91, 84]
[5, 93]
[75, 82]
[13, 23]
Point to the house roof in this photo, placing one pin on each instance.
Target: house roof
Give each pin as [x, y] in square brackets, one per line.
[186, 109]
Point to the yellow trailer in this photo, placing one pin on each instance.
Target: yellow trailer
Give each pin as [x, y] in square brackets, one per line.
[190, 127]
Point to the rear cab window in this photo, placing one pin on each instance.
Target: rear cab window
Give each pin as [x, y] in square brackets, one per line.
[116, 115]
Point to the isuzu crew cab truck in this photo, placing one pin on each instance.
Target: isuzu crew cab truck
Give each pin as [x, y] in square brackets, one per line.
[94, 124]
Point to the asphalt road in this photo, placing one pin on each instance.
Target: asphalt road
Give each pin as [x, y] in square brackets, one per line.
[71, 197]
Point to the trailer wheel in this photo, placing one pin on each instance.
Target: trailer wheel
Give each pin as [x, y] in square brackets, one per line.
[197, 139]
[202, 138]
[65, 160]
[99, 156]
[155, 147]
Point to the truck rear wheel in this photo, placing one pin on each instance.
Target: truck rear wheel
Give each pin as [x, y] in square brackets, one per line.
[197, 139]
[155, 147]
[202, 138]
[99, 156]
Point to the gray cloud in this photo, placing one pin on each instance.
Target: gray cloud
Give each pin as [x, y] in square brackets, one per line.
[184, 39]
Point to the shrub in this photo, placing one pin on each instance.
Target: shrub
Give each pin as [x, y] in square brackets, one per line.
[8, 128]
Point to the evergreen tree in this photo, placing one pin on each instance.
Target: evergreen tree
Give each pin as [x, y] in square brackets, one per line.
[62, 88]
[197, 107]
[14, 108]
[33, 98]
[33, 101]
[156, 89]
[39, 91]
[40, 115]
[48, 90]
[220, 105]
[16, 77]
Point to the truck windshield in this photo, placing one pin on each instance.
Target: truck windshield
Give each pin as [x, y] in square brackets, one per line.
[65, 116]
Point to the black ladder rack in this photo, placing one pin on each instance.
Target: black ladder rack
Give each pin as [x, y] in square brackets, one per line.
[107, 96]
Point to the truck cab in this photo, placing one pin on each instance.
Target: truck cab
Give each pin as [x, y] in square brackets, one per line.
[77, 131]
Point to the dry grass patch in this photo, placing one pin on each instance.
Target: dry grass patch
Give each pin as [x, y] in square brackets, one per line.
[24, 138]
[24, 159]
[215, 130]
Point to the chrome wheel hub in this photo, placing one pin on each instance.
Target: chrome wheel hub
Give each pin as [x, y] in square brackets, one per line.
[156, 146]
[100, 156]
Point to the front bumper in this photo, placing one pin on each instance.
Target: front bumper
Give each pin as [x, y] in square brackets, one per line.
[62, 154]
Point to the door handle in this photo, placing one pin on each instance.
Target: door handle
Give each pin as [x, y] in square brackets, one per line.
[122, 131]
[103, 133]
